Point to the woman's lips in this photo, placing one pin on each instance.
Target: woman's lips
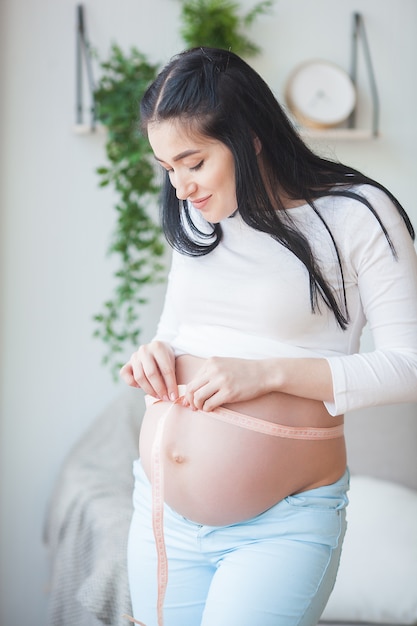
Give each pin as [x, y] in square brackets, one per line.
[200, 203]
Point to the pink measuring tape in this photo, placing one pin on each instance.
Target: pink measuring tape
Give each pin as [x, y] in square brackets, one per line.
[157, 474]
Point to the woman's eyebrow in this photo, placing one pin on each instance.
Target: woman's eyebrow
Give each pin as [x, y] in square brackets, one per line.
[180, 156]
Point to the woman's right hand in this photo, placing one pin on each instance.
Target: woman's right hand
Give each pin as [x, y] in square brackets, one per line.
[152, 368]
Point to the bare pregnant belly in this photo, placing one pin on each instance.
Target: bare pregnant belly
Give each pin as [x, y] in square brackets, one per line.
[217, 473]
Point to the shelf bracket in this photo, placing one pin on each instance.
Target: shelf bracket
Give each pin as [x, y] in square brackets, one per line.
[359, 32]
[83, 54]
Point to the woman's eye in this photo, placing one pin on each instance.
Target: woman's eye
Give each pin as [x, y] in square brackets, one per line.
[197, 167]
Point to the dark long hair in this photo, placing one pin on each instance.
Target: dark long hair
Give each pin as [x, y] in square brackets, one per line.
[220, 96]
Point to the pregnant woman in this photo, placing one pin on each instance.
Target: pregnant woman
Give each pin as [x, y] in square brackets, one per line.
[280, 257]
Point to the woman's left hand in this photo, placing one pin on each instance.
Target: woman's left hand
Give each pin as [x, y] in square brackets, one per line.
[223, 380]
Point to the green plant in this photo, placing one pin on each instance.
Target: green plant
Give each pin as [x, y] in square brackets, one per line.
[137, 237]
[218, 23]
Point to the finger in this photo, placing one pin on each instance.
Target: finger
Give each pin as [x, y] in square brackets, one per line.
[213, 402]
[159, 370]
[154, 367]
[126, 374]
[195, 385]
[148, 377]
[166, 364]
[132, 373]
[170, 383]
[200, 396]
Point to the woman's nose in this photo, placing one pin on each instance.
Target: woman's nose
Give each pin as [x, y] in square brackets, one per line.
[184, 187]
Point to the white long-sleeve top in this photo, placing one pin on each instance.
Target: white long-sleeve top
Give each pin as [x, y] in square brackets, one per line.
[250, 298]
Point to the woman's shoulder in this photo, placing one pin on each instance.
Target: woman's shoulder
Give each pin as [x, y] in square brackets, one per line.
[368, 223]
[359, 205]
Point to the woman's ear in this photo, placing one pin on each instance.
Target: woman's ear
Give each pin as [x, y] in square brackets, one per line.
[257, 144]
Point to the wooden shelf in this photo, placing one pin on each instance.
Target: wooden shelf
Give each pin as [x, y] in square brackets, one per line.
[345, 134]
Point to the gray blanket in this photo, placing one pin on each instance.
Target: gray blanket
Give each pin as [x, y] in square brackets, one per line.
[88, 520]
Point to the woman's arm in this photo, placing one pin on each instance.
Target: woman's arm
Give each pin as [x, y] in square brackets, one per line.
[152, 366]
[222, 380]
[388, 295]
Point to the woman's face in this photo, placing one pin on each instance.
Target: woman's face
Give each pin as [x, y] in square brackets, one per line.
[200, 169]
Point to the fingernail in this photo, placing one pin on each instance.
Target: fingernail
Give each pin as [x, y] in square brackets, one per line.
[173, 396]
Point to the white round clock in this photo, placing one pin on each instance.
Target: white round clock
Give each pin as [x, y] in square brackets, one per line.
[320, 94]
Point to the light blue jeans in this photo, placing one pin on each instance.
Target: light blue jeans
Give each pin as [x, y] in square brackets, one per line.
[276, 569]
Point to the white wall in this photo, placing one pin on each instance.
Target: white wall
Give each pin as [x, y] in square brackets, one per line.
[56, 223]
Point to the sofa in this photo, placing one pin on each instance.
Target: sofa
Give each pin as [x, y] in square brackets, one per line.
[90, 509]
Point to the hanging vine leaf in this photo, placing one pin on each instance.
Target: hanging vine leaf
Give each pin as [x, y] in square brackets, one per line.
[137, 237]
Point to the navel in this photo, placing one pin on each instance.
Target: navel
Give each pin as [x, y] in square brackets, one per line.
[176, 457]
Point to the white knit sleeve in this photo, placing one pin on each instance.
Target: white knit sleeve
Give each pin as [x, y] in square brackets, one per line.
[388, 293]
